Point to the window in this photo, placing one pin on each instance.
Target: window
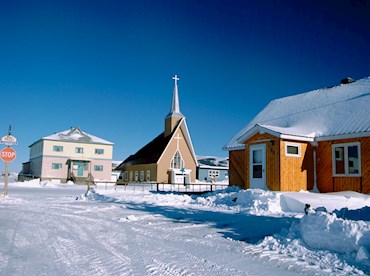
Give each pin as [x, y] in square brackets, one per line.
[56, 166]
[292, 149]
[79, 150]
[141, 176]
[213, 173]
[177, 162]
[136, 176]
[98, 168]
[347, 159]
[130, 175]
[125, 176]
[148, 175]
[99, 151]
[58, 148]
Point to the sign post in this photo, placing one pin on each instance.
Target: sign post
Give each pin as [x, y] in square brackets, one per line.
[7, 155]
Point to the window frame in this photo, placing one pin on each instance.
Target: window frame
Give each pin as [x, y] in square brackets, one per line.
[345, 159]
[98, 168]
[57, 147]
[99, 151]
[291, 144]
[77, 150]
[182, 162]
[59, 167]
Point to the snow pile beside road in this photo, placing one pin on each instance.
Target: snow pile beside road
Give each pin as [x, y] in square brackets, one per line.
[255, 201]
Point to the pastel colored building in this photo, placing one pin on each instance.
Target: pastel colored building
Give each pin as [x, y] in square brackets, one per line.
[168, 158]
[213, 169]
[69, 155]
[316, 140]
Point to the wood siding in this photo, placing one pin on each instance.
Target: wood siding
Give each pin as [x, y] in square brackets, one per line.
[237, 168]
[326, 182]
[296, 173]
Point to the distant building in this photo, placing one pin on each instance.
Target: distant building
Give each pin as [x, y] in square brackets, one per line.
[168, 158]
[315, 140]
[213, 169]
[69, 155]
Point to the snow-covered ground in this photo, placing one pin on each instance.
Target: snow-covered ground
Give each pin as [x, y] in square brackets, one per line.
[57, 229]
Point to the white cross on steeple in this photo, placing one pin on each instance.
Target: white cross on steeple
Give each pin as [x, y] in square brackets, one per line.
[176, 78]
[175, 106]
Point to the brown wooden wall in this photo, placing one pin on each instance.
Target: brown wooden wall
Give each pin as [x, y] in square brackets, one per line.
[237, 168]
[272, 159]
[325, 180]
[296, 173]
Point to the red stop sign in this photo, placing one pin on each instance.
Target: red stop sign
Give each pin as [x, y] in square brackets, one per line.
[7, 154]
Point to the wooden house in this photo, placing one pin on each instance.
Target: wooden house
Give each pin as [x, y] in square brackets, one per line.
[168, 158]
[316, 140]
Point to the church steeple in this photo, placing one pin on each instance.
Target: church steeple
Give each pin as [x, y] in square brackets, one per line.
[175, 115]
[175, 106]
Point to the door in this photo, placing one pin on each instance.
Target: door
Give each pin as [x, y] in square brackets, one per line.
[80, 169]
[257, 165]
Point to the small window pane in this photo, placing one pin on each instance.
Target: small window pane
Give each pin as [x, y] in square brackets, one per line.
[257, 156]
[57, 148]
[98, 168]
[257, 171]
[292, 150]
[99, 151]
[56, 166]
[79, 150]
[339, 160]
[353, 160]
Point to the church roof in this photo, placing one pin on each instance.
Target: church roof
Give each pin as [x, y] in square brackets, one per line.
[150, 153]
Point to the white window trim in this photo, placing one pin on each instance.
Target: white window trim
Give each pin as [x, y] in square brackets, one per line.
[98, 168]
[345, 157]
[148, 175]
[141, 176]
[59, 167]
[79, 150]
[182, 161]
[293, 145]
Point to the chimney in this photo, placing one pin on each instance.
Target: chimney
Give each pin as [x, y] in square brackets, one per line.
[347, 80]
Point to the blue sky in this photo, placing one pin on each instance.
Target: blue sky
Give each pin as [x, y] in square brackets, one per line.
[106, 66]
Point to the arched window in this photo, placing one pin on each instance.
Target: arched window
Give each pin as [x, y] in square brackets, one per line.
[177, 162]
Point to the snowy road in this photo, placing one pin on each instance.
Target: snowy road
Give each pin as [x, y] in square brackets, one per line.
[48, 232]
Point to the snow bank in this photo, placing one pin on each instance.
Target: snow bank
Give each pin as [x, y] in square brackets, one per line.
[255, 201]
[36, 183]
[326, 231]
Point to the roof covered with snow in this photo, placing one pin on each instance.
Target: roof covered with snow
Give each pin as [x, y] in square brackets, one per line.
[76, 135]
[213, 161]
[328, 113]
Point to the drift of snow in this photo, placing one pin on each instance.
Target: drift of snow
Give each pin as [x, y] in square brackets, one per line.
[62, 229]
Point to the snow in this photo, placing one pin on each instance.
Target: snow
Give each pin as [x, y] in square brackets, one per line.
[318, 114]
[49, 228]
[76, 134]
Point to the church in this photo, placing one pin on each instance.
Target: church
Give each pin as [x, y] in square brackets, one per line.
[168, 158]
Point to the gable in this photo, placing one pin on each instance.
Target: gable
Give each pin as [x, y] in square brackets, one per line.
[182, 127]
